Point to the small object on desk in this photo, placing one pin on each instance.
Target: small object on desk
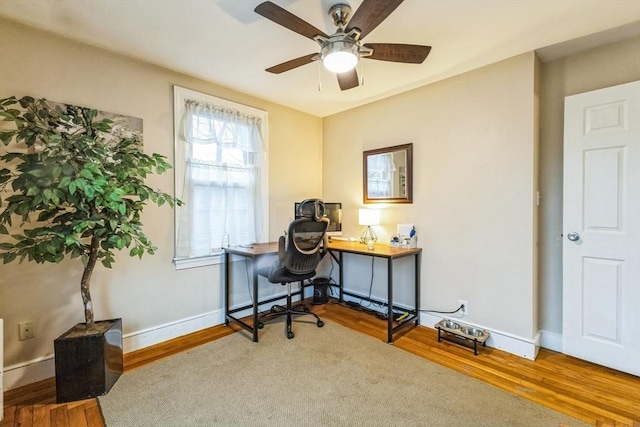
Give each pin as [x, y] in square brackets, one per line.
[246, 246]
[370, 245]
[406, 237]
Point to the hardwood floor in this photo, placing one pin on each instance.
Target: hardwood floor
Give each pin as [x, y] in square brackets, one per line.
[592, 393]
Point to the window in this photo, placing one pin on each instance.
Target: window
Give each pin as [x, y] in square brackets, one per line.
[221, 176]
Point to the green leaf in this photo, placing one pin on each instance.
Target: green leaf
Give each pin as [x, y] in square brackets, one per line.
[86, 173]
[32, 191]
[64, 182]
[8, 257]
[38, 173]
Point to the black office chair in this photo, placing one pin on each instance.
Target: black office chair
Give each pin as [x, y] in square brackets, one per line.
[298, 258]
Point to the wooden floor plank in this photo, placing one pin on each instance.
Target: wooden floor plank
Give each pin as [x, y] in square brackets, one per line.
[9, 418]
[77, 416]
[94, 415]
[42, 415]
[59, 416]
[24, 415]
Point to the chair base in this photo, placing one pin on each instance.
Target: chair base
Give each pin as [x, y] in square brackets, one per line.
[288, 310]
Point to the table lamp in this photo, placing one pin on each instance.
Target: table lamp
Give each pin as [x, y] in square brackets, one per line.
[368, 217]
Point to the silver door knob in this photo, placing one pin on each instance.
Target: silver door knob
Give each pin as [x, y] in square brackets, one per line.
[574, 237]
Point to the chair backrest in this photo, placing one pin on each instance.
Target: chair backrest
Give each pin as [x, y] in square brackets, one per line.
[305, 238]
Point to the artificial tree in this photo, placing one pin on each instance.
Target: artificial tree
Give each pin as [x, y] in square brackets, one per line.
[76, 183]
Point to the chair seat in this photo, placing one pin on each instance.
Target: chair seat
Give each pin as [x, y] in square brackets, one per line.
[282, 275]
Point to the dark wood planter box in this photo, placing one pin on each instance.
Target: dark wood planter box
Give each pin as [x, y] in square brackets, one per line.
[87, 365]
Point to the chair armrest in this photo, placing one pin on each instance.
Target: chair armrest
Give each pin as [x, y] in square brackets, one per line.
[282, 250]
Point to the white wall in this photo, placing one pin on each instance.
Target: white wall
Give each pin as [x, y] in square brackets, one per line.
[474, 180]
[590, 70]
[148, 294]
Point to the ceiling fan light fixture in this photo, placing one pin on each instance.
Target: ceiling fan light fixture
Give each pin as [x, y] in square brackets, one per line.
[340, 56]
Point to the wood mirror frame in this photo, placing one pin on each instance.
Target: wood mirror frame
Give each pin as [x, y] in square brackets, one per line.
[399, 183]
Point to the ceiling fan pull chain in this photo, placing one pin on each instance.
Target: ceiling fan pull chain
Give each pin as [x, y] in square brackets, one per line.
[319, 76]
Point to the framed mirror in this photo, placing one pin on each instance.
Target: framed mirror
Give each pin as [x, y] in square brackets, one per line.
[388, 175]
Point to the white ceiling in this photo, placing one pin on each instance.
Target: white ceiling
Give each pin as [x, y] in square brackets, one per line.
[226, 42]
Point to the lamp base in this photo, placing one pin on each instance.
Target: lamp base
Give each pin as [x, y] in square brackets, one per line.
[368, 235]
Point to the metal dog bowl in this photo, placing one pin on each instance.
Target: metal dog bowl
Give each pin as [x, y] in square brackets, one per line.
[473, 332]
[450, 324]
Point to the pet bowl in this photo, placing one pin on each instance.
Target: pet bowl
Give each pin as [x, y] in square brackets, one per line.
[473, 332]
[449, 324]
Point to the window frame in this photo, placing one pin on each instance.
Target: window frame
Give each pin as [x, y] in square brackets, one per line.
[180, 95]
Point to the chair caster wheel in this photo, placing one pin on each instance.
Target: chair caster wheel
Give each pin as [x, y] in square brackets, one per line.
[260, 325]
[320, 323]
[290, 335]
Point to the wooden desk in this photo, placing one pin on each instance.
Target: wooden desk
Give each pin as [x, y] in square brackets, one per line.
[336, 250]
[390, 254]
[253, 253]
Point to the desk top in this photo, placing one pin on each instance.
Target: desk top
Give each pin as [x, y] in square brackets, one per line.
[379, 250]
[254, 250]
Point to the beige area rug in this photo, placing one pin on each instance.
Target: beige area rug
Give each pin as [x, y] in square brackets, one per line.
[330, 376]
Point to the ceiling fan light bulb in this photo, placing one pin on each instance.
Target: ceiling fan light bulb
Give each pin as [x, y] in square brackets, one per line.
[340, 62]
[340, 56]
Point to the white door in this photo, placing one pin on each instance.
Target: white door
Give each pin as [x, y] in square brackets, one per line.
[601, 227]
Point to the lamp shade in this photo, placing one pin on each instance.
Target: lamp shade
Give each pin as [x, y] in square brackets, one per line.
[368, 217]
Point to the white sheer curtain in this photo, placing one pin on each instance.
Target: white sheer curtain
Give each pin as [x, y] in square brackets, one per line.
[380, 172]
[223, 152]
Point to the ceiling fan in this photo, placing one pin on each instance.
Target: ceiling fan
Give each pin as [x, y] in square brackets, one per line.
[341, 51]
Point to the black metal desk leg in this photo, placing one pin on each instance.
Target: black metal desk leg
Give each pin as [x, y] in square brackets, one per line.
[341, 277]
[255, 301]
[389, 300]
[417, 281]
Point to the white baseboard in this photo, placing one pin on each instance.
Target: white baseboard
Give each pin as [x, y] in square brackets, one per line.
[42, 368]
[551, 341]
[28, 372]
[523, 347]
[168, 331]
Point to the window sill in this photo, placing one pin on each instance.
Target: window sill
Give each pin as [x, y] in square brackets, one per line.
[203, 261]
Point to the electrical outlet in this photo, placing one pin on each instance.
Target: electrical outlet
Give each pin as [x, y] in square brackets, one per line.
[464, 310]
[27, 330]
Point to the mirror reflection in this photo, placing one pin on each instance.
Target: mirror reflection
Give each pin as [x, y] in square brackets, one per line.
[387, 174]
